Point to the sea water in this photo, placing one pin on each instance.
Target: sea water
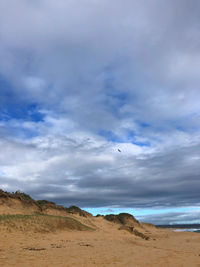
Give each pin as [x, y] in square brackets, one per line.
[196, 230]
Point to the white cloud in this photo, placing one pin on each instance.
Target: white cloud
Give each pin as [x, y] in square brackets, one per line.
[103, 75]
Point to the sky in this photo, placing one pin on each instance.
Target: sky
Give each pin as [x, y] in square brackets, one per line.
[80, 80]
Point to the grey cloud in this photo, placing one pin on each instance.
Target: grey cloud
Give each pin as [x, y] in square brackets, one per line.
[128, 69]
[172, 217]
[66, 171]
[143, 45]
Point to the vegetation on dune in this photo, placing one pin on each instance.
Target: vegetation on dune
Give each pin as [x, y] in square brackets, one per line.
[40, 223]
[128, 223]
[77, 210]
[121, 218]
[45, 202]
[17, 195]
[42, 204]
[131, 230]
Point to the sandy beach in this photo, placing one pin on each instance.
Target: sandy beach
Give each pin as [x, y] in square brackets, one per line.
[99, 133]
[105, 246]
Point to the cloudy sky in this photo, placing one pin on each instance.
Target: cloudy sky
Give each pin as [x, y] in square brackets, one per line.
[80, 80]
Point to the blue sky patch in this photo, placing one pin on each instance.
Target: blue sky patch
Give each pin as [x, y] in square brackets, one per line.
[21, 112]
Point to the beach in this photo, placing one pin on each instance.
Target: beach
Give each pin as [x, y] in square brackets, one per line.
[104, 246]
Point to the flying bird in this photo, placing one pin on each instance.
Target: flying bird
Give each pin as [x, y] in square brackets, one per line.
[119, 150]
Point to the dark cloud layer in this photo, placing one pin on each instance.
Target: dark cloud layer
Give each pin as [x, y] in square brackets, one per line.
[172, 218]
[80, 79]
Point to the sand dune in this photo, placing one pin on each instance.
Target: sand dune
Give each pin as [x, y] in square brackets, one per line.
[79, 239]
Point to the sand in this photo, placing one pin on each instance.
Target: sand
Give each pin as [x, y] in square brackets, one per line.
[105, 246]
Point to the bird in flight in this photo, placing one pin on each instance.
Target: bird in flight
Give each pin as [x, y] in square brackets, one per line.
[119, 150]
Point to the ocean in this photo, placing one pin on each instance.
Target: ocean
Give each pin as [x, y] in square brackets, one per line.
[195, 230]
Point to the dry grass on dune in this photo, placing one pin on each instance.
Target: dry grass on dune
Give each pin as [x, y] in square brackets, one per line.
[40, 223]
